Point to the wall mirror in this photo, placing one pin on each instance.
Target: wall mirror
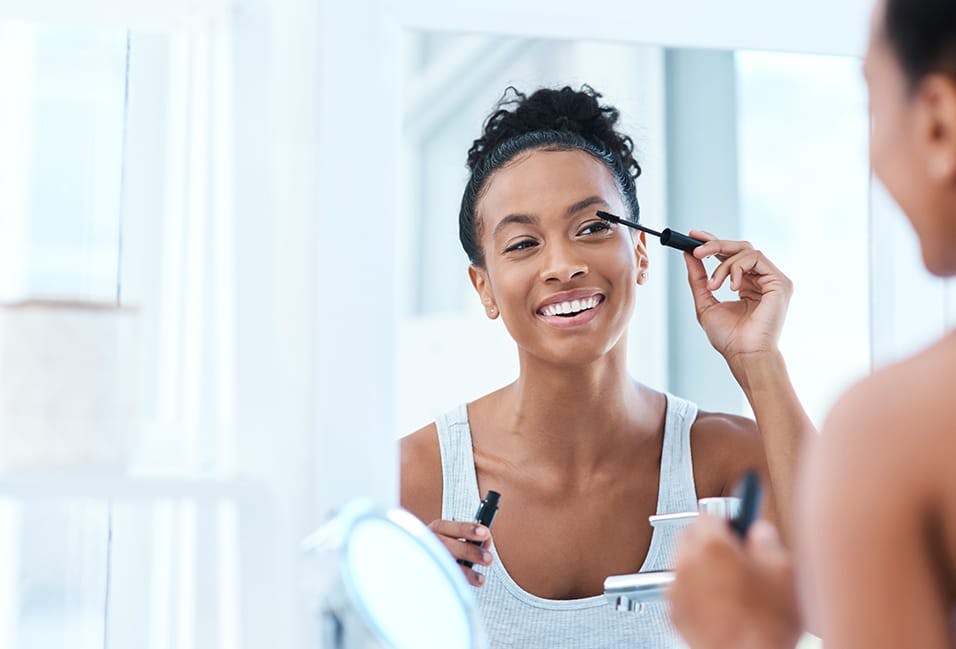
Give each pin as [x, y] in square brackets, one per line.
[769, 147]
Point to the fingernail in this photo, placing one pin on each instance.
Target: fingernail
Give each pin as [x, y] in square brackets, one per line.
[481, 531]
[486, 557]
[481, 578]
[763, 532]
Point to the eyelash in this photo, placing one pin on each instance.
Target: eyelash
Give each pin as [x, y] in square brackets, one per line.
[596, 227]
[517, 247]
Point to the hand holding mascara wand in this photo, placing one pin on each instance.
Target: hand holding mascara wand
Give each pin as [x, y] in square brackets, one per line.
[668, 237]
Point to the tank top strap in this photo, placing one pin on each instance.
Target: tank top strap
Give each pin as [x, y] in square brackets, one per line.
[677, 490]
[460, 495]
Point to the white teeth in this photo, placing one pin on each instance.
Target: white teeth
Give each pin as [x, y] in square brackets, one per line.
[573, 306]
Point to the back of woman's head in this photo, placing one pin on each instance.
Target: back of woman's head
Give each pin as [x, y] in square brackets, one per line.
[923, 35]
[549, 120]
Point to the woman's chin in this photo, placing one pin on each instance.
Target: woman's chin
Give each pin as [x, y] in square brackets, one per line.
[939, 260]
[571, 354]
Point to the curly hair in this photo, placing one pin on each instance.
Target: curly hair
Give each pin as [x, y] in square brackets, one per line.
[551, 120]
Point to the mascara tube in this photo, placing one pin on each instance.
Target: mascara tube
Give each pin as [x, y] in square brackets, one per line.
[484, 516]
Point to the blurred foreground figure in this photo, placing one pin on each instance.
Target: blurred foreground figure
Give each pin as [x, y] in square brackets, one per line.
[876, 526]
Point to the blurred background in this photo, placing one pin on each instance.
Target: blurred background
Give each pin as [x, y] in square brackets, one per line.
[271, 189]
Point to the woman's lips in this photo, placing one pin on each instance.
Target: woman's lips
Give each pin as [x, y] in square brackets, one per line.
[566, 322]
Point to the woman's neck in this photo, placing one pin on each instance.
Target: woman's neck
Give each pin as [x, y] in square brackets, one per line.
[575, 417]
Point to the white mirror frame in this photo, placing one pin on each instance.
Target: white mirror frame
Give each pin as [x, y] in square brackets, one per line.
[362, 39]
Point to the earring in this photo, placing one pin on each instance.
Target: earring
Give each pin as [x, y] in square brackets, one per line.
[492, 311]
[643, 276]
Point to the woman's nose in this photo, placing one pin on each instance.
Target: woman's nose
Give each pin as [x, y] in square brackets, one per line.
[561, 264]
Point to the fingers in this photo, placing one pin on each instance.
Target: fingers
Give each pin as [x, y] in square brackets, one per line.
[764, 543]
[751, 274]
[707, 553]
[707, 538]
[464, 551]
[697, 278]
[474, 578]
[734, 267]
[456, 537]
[720, 248]
[460, 530]
[748, 269]
[702, 235]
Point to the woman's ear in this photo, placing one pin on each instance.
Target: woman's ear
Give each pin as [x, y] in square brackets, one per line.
[479, 279]
[640, 249]
[937, 126]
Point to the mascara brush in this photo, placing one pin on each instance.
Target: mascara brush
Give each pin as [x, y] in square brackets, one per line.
[668, 237]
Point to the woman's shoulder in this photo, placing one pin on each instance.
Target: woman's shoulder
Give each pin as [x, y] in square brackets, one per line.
[905, 411]
[723, 446]
[421, 473]
[913, 395]
[421, 461]
[721, 431]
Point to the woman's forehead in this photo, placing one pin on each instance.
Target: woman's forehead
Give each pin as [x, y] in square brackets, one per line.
[543, 180]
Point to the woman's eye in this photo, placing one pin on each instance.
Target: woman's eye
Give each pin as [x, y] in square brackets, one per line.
[521, 245]
[595, 227]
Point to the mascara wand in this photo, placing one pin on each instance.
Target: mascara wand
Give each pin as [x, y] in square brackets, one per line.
[668, 237]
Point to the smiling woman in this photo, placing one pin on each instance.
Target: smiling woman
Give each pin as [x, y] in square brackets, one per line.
[580, 451]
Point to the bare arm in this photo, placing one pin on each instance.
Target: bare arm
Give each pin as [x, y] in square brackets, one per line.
[746, 332]
[421, 478]
[421, 493]
[783, 423]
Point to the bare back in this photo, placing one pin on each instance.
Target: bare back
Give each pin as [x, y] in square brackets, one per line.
[878, 508]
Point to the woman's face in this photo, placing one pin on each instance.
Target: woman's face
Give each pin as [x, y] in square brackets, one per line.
[563, 280]
[913, 147]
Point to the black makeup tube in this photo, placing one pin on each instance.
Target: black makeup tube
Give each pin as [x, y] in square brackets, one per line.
[750, 497]
[484, 516]
[668, 237]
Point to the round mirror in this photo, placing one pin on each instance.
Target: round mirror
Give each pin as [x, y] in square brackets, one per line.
[385, 580]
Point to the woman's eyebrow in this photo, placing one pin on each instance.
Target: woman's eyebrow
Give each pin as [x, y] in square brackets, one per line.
[525, 219]
[587, 202]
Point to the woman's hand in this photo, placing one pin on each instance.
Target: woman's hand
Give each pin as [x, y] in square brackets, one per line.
[729, 594]
[455, 536]
[751, 324]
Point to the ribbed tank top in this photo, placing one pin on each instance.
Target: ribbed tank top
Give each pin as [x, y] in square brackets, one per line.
[515, 618]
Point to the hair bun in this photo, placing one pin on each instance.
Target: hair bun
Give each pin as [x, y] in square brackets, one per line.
[548, 109]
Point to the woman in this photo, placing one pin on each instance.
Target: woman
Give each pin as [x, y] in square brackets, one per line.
[582, 453]
[877, 535]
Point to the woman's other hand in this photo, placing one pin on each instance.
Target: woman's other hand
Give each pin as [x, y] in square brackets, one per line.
[455, 535]
[728, 594]
[752, 323]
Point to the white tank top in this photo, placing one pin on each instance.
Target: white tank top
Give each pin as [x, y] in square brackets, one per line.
[514, 617]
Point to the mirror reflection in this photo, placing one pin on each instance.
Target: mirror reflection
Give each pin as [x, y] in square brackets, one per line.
[759, 146]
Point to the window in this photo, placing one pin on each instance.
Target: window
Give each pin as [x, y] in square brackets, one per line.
[803, 134]
[62, 128]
